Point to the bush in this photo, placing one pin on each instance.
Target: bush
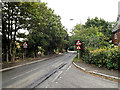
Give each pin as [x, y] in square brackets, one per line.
[106, 57]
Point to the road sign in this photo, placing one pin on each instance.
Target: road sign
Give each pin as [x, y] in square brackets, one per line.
[78, 48]
[25, 45]
[78, 42]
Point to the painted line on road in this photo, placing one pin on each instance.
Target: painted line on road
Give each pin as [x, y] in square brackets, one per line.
[69, 67]
[109, 76]
[23, 65]
[55, 78]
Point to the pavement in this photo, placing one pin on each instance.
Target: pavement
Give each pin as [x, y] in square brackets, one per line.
[93, 69]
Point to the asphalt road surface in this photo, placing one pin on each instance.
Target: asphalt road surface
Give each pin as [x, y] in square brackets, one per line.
[57, 72]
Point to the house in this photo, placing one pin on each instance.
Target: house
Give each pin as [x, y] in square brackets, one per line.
[116, 35]
[116, 30]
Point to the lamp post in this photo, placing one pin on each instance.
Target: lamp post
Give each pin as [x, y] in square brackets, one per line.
[74, 45]
[71, 29]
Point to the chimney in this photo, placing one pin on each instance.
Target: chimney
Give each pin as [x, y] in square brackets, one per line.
[119, 8]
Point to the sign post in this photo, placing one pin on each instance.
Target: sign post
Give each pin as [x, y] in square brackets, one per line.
[24, 46]
[78, 48]
[78, 54]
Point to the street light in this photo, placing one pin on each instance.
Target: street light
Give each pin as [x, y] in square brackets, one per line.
[71, 19]
[74, 45]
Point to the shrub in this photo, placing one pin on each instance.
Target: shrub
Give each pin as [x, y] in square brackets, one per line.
[106, 57]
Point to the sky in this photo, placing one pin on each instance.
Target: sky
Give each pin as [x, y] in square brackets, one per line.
[80, 10]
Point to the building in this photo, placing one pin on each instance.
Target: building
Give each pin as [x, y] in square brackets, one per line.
[116, 30]
[116, 35]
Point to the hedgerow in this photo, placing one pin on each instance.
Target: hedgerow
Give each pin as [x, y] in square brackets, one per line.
[106, 57]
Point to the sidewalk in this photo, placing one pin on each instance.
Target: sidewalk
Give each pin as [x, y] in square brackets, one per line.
[93, 69]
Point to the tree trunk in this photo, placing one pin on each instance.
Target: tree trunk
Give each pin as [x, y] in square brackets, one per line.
[34, 55]
[13, 44]
[9, 55]
[23, 55]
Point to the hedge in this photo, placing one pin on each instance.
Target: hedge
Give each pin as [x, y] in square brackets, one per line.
[106, 57]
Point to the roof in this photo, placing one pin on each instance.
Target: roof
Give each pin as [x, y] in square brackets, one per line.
[118, 20]
[118, 25]
[116, 28]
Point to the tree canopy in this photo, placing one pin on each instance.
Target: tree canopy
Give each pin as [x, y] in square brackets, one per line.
[95, 33]
[45, 29]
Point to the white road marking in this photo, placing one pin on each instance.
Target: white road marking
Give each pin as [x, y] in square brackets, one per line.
[47, 86]
[55, 78]
[69, 67]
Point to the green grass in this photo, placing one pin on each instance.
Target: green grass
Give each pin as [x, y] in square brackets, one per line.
[76, 59]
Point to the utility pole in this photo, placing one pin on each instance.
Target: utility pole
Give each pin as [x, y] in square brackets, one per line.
[80, 24]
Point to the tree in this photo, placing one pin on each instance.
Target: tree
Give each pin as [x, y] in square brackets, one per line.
[47, 31]
[105, 26]
[91, 34]
[12, 21]
[44, 27]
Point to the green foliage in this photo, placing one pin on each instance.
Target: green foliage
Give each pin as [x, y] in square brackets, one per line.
[76, 59]
[104, 26]
[95, 36]
[44, 27]
[21, 35]
[96, 32]
[91, 37]
[106, 57]
[12, 21]
[48, 31]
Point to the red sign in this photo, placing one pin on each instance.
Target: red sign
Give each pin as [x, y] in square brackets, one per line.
[78, 42]
[25, 44]
[78, 48]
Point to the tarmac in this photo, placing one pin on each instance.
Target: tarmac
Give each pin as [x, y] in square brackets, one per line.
[89, 68]
[13, 65]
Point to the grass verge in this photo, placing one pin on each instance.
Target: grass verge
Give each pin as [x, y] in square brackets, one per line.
[76, 59]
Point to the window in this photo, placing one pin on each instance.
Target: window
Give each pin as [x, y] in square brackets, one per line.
[115, 35]
[119, 44]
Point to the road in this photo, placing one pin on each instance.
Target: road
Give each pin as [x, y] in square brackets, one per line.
[57, 72]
